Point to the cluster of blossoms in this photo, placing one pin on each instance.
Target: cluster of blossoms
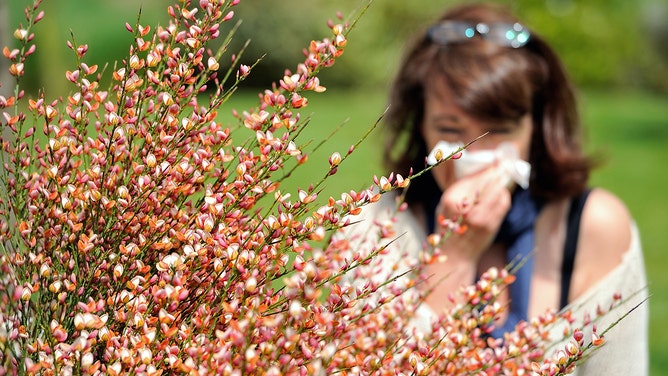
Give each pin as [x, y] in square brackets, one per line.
[140, 237]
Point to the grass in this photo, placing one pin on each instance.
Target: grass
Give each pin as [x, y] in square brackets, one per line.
[632, 128]
[629, 128]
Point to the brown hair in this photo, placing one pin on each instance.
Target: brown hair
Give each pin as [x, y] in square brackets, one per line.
[490, 81]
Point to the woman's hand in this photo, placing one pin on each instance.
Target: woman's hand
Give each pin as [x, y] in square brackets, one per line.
[481, 200]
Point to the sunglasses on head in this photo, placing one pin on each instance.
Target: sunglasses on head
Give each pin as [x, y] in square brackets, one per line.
[504, 34]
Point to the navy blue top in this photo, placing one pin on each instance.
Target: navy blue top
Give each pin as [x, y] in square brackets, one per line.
[517, 233]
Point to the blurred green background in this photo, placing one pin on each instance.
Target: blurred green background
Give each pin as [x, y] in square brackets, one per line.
[615, 50]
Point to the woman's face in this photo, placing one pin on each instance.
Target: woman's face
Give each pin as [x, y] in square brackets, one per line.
[443, 120]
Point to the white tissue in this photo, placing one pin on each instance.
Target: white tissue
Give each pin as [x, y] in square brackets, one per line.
[516, 169]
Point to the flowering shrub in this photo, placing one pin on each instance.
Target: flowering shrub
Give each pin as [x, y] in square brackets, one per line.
[140, 235]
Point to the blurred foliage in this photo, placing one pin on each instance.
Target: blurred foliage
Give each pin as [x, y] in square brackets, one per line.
[375, 42]
[99, 24]
[602, 42]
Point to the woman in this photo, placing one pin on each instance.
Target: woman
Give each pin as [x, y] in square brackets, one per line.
[479, 71]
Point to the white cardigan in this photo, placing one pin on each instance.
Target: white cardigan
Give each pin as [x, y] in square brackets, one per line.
[625, 351]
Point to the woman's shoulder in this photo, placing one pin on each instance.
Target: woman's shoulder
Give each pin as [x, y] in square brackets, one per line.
[605, 225]
[606, 231]
[610, 263]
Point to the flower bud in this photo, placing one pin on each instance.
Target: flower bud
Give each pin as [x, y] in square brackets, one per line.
[87, 360]
[119, 74]
[438, 155]
[103, 334]
[135, 62]
[572, 348]
[562, 358]
[150, 160]
[115, 369]
[251, 284]
[45, 270]
[340, 40]
[296, 309]
[337, 29]
[79, 321]
[165, 317]
[55, 286]
[334, 159]
[20, 34]
[50, 112]
[26, 293]
[152, 59]
[385, 184]
[145, 356]
[16, 69]
[118, 270]
[212, 64]
[244, 70]
[192, 43]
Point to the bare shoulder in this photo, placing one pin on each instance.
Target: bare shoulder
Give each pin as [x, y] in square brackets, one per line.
[605, 236]
[606, 223]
